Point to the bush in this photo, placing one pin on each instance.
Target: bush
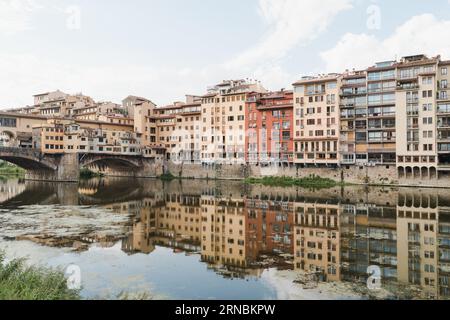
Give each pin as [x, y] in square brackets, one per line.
[309, 182]
[167, 177]
[19, 282]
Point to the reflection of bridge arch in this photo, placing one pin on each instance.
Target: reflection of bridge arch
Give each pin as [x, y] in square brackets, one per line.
[417, 200]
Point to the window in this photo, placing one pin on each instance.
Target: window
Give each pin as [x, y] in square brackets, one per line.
[428, 107]
[427, 80]
[310, 111]
[444, 71]
[299, 89]
[8, 122]
[331, 85]
[428, 120]
[444, 108]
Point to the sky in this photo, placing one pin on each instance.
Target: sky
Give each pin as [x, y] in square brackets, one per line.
[165, 49]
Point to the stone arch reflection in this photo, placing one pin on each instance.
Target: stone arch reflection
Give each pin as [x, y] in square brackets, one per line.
[413, 199]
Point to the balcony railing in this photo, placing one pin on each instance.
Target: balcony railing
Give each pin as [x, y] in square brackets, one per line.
[347, 115]
[412, 112]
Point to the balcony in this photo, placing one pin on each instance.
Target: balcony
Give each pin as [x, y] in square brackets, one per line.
[346, 115]
[444, 138]
[315, 92]
[408, 86]
[414, 112]
[348, 161]
[443, 109]
[355, 92]
[347, 105]
[443, 95]
[347, 128]
[443, 124]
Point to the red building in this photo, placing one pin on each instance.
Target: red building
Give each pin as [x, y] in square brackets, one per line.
[269, 121]
[269, 229]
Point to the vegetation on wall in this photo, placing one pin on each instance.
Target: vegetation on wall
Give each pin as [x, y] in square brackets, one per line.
[167, 177]
[308, 182]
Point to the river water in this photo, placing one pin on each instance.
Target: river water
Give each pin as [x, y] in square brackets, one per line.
[227, 240]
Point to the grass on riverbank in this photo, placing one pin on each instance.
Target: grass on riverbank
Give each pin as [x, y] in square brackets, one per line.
[19, 282]
[308, 182]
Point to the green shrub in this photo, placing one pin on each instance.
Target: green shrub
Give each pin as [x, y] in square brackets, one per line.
[19, 282]
[308, 182]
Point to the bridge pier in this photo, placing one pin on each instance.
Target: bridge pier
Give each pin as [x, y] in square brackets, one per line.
[66, 170]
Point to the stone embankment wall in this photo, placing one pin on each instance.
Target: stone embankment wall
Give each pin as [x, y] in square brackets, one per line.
[376, 175]
[356, 175]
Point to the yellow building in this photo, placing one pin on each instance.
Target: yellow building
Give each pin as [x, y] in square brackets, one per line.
[317, 240]
[418, 245]
[443, 117]
[223, 232]
[49, 138]
[317, 120]
[416, 117]
[223, 121]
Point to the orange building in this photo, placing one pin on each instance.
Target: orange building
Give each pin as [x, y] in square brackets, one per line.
[269, 227]
[269, 124]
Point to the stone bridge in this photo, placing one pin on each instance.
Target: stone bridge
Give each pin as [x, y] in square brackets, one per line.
[66, 166]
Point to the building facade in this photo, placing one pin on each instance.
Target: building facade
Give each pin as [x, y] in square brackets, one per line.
[223, 121]
[317, 121]
[270, 127]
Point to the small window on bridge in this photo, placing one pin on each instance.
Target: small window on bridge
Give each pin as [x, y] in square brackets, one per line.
[8, 122]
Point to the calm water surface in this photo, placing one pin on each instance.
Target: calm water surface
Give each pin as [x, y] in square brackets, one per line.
[227, 240]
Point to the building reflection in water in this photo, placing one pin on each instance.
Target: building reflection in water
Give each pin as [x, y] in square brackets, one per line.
[334, 235]
[323, 240]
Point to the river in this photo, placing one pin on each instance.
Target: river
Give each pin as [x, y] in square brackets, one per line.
[227, 240]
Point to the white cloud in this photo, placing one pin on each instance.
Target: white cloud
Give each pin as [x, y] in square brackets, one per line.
[26, 74]
[289, 23]
[15, 15]
[420, 34]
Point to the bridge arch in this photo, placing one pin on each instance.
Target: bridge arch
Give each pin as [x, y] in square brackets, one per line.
[116, 163]
[27, 159]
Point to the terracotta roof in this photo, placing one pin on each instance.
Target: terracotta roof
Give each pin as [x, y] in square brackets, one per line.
[22, 115]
